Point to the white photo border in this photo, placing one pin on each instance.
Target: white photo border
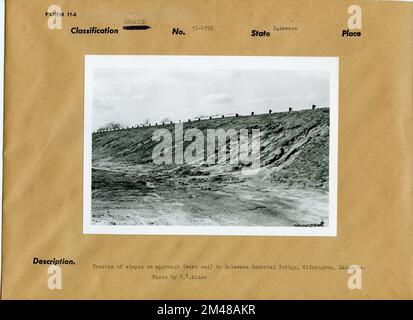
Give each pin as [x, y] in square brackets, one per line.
[330, 64]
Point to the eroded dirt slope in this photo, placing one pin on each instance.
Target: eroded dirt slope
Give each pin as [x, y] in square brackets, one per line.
[289, 189]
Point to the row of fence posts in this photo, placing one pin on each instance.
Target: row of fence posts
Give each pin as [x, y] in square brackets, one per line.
[189, 120]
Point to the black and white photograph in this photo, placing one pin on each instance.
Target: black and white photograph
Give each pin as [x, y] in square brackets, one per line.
[210, 145]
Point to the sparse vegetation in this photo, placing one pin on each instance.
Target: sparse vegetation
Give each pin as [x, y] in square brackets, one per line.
[111, 125]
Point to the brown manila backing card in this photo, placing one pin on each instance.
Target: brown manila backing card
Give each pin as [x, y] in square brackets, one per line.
[230, 149]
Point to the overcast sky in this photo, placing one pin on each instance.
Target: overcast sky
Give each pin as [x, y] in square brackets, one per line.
[130, 96]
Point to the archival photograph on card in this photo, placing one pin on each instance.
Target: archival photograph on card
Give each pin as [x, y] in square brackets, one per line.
[210, 145]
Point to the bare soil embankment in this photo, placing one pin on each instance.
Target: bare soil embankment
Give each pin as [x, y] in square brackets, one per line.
[291, 187]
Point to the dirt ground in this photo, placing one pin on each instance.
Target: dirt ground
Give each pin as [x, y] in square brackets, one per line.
[290, 189]
[124, 197]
